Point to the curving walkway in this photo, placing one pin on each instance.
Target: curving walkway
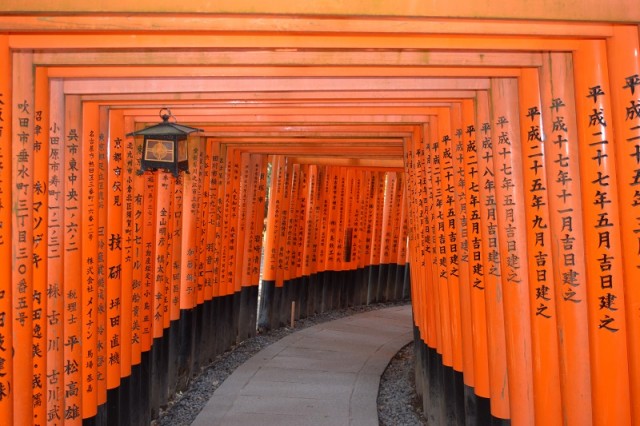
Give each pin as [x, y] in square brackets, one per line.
[323, 375]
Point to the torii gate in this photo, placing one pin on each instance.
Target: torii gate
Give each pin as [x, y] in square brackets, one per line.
[503, 141]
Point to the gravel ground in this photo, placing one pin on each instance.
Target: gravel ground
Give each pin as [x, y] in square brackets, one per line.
[184, 408]
[398, 403]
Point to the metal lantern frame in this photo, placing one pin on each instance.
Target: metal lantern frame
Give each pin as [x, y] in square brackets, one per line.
[165, 145]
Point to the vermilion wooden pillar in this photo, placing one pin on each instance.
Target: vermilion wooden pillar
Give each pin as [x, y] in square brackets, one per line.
[624, 77]
[101, 266]
[55, 244]
[90, 307]
[269, 271]
[40, 242]
[309, 238]
[21, 160]
[507, 152]
[542, 285]
[431, 319]
[472, 409]
[6, 246]
[602, 233]
[72, 287]
[477, 269]
[560, 161]
[129, 393]
[386, 230]
[115, 204]
[498, 381]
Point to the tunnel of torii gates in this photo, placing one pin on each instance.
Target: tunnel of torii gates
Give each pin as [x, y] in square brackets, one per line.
[488, 167]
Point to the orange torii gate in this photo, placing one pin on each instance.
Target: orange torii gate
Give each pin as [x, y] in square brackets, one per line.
[518, 191]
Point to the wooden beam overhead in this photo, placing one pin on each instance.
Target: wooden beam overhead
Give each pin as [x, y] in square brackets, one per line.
[186, 85]
[52, 22]
[547, 10]
[328, 58]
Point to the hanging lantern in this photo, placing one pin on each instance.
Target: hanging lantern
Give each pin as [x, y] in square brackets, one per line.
[165, 145]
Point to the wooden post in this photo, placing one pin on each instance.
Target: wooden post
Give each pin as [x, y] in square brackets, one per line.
[22, 119]
[6, 227]
[542, 286]
[186, 222]
[309, 236]
[461, 246]
[149, 253]
[138, 385]
[498, 381]
[255, 263]
[367, 232]
[189, 291]
[431, 321]
[293, 313]
[243, 250]
[72, 288]
[507, 152]
[217, 218]
[322, 235]
[302, 281]
[213, 154]
[602, 233]
[386, 231]
[339, 296]
[624, 75]
[288, 238]
[447, 272]
[40, 243]
[90, 162]
[462, 256]
[115, 204]
[477, 270]
[433, 188]
[127, 289]
[101, 266]
[560, 160]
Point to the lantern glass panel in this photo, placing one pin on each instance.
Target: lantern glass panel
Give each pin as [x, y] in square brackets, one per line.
[182, 150]
[160, 150]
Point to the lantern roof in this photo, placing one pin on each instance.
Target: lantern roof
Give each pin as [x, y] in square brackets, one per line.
[166, 128]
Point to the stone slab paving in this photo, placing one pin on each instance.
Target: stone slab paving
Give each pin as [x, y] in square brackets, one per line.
[327, 374]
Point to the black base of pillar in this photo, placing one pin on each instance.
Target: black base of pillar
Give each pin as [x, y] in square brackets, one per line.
[477, 409]
[374, 276]
[125, 401]
[392, 283]
[135, 403]
[383, 283]
[186, 346]
[172, 356]
[276, 313]
[399, 280]
[113, 407]
[315, 294]
[145, 393]
[363, 285]
[350, 287]
[208, 331]
[327, 291]
[199, 335]
[304, 296]
[235, 318]
[229, 320]
[266, 302]
[243, 314]
[337, 281]
[253, 310]
[406, 289]
[446, 399]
